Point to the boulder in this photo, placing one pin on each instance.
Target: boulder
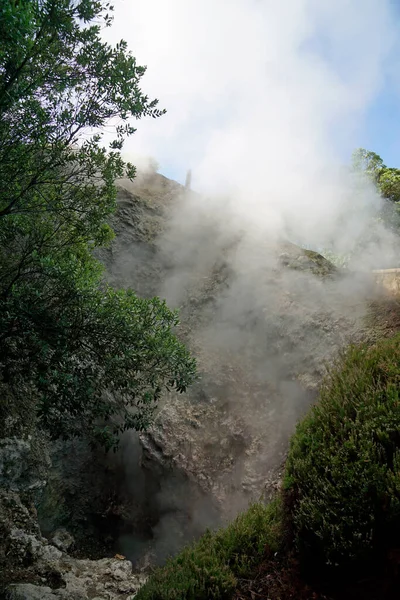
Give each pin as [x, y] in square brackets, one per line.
[62, 539]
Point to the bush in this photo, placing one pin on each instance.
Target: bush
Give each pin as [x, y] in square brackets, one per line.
[208, 569]
[342, 485]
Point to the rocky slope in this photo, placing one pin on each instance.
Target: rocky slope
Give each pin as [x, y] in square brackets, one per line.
[262, 316]
[41, 568]
[52, 574]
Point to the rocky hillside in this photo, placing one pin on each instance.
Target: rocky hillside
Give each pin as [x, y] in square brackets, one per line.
[263, 317]
[43, 568]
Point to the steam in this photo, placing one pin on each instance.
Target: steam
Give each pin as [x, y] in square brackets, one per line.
[266, 100]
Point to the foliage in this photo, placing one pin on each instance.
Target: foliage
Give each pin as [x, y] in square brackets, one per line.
[387, 181]
[342, 477]
[209, 568]
[89, 354]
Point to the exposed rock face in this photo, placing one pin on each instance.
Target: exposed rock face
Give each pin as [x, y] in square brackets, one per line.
[260, 361]
[106, 579]
[62, 540]
[15, 465]
[48, 573]
[80, 496]
[134, 259]
[24, 458]
[262, 318]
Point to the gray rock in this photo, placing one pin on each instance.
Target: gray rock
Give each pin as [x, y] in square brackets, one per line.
[28, 591]
[108, 579]
[49, 553]
[12, 454]
[62, 539]
[262, 319]
[24, 543]
[23, 549]
[16, 471]
[262, 323]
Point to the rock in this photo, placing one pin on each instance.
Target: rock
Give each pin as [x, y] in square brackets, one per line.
[20, 537]
[262, 319]
[24, 544]
[106, 578]
[13, 454]
[63, 540]
[49, 554]
[109, 579]
[48, 572]
[16, 471]
[28, 591]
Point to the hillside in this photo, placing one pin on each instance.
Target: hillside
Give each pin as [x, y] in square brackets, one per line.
[262, 318]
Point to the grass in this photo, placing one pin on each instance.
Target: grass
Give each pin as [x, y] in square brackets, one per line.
[210, 567]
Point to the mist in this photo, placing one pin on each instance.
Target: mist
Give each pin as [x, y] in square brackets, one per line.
[265, 103]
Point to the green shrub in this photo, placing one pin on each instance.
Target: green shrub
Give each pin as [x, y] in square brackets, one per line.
[342, 484]
[208, 569]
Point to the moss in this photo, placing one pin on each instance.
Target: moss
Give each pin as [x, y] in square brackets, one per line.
[342, 483]
[210, 567]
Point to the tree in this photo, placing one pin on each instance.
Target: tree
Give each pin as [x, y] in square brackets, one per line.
[368, 162]
[387, 181]
[96, 359]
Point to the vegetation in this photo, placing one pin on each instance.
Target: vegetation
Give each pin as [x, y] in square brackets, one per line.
[386, 178]
[343, 478]
[210, 567]
[340, 504]
[88, 354]
[387, 182]
[78, 356]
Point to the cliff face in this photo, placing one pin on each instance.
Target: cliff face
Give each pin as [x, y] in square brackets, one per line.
[45, 571]
[262, 316]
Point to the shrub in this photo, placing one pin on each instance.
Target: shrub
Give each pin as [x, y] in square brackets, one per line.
[342, 484]
[208, 569]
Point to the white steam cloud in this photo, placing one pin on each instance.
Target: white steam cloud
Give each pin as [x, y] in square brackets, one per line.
[265, 101]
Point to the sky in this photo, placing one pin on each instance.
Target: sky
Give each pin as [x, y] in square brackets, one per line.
[258, 72]
[382, 125]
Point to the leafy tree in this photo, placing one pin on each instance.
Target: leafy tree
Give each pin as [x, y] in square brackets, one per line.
[387, 181]
[368, 162]
[92, 355]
